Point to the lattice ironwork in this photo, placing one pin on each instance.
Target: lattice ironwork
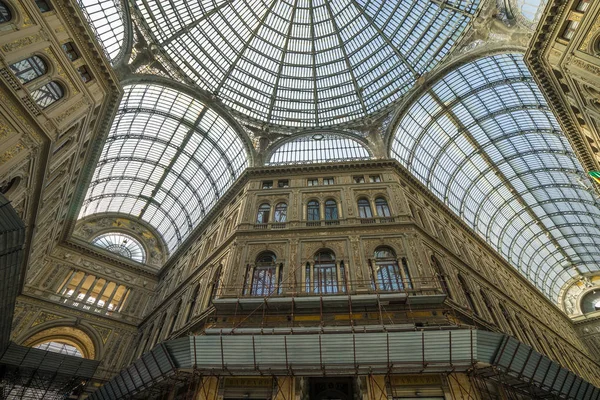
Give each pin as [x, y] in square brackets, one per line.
[307, 62]
[167, 160]
[319, 148]
[484, 140]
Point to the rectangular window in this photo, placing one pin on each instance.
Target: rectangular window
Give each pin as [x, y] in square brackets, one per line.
[267, 184]
[328, 181]
[374, 178]
[569, 31]
[358, 179]
[313, 182]
[583, 5]
[84, 74]
[71, 51]
[283, 183]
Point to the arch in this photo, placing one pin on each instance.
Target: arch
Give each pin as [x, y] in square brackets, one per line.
[122, 244]
[174, 317]
[192, 304]
[386, 275]
[331, 210]
[468, 294]
[280, 214]
[364, 208]
[318, 148]
[168, 159]
[590, 302]
[263, 213]
[324, 275]
[48, 94]
[5, 13]
[29, 68]
[10, 186]
[313, 211]
[441, 275]
[70, 335]
[482, 138]
[265, 275]
[381, 207]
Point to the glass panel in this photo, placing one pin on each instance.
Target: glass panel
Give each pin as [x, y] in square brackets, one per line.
[382, 208]
[263, 214]
[5, 14]
[281, 212]
[28, 69]
[167, 160]
[121, 244]
[312, 211]
[61, 348]
[106, 19]
[307, 63]
[508, 171]
[47, 94]
[364, 209]
[326, 148]
[331, 211]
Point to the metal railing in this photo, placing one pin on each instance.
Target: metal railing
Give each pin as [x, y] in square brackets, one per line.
[311, 224]
[414, 287]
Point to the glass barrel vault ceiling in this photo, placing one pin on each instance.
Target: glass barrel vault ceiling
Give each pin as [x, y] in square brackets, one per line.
[307, 62]
[106, 19]
[484, 141]
[167, 159]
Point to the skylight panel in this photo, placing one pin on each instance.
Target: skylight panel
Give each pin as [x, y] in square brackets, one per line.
[244, 51]
[520, 184]
[167, 164]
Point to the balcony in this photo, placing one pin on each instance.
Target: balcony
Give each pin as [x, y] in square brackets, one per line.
[338, 295]
[321, 223]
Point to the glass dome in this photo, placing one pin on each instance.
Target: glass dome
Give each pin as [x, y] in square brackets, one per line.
[307, 62]
[121, 244]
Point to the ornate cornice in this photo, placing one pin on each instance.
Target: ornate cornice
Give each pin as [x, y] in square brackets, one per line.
[540, 68]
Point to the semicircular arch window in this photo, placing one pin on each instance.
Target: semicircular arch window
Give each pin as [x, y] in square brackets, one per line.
[121, 244]
[319, 148]
[484, 140]
[107, 21]
[167, 160]
[316, 63]
[60, 348]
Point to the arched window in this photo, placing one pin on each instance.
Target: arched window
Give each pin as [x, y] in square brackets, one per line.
[266, 275]
[5, 14]
[386, 272]
[331, 210]
[325, 276]
[192, 306]
[381, 207]
[48, 94]
[174, 318]
[28, 69]
[60, 348]
[8, 186]
[215, 285]
[490, 307]
[281, 212]
[364, 209]
[159, 330]
[468, 294]
[312, 211]
[263, 214]
[441, 275]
